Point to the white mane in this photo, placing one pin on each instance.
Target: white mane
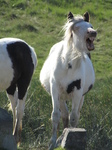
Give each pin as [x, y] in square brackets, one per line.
[70, 52]
[69, 26]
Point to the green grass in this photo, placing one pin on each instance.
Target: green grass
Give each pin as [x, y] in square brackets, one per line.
[39, 23]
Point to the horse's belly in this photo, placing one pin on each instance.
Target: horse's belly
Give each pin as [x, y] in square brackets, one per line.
[88, 87]
[89, 81]
[6, 72]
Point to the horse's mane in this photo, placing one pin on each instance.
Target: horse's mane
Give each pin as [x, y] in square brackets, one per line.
[72, 54]
[67, 28]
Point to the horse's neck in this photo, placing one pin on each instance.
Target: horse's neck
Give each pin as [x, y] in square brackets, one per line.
[72, 57]
[70, 53]
[67, 50]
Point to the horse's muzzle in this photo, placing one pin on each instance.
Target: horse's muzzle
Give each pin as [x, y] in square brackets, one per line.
[91, 32]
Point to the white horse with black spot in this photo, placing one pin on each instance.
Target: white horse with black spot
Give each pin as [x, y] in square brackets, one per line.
[17, 63]
[68, 71]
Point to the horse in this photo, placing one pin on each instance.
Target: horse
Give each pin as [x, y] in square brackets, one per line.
[68, 73]
[18, 61]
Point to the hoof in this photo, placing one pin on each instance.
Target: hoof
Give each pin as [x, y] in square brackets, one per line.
[52, 144]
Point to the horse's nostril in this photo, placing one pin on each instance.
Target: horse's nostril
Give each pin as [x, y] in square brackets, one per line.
[94, 33]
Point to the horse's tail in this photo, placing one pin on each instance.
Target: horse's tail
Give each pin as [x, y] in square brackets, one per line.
[34, 56]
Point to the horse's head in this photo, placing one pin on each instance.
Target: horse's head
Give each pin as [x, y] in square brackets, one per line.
[81, 32]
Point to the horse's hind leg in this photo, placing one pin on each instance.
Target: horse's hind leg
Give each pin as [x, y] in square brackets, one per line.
[12, 94]
[17, 98]
[22, 85]
[64, 113]
[18, 124]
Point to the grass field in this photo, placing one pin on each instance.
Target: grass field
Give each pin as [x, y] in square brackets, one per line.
[39, 23]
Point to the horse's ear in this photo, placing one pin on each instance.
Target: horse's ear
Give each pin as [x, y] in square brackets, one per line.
[86, 16]
[70, 16]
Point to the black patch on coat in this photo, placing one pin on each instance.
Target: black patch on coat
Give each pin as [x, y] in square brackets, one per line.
[69, 66]
[89, 55]
[23, 66]
[74, 84]
[90, 87]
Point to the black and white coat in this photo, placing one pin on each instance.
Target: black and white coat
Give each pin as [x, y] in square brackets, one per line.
[68, 71]
[17, 63]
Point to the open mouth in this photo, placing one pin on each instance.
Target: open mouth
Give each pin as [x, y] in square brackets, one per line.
[89, 43]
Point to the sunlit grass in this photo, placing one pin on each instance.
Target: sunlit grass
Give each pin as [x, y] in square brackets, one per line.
[39, 23]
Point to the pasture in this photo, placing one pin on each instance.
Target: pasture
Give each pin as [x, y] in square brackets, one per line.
[40, 23]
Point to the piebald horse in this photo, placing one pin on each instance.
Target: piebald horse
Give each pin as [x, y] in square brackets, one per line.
[68, 71]
[17, 63]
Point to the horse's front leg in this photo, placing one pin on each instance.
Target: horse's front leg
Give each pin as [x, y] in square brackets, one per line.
[55, 116]
[64, 113]
[76, 106]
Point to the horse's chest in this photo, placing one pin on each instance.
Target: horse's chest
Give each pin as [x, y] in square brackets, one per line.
[80, 79]
[6, 71]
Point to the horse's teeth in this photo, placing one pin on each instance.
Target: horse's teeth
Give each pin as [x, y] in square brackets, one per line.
[91, 38]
